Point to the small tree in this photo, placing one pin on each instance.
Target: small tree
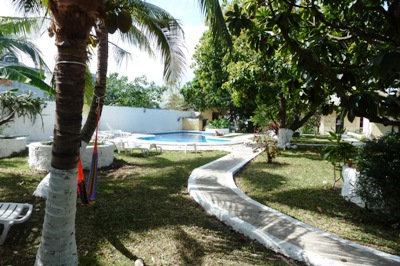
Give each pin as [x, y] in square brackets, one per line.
[267, 144]
[339, 153]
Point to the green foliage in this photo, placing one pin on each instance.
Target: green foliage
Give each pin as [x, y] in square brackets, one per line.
[220, 123]
[379, 179]
[312, 125]
[267, 145]
[339, 153]
[27, 76]
[139, 93]
[346, 48]
[262, 116]
[23, 105]
[205, 91]
[175, 102]
[272, 84]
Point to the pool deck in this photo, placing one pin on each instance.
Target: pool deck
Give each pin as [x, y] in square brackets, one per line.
[134, 139]
[213, 187]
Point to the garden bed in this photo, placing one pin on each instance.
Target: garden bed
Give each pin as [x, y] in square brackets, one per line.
[10, 145]
[40, 156]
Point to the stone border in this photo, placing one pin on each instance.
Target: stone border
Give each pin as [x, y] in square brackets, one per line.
[8, 146]
[39, 156]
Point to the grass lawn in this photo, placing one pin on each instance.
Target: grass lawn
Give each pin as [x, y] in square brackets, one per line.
[142, 210]
[311, 139]
[298, 184]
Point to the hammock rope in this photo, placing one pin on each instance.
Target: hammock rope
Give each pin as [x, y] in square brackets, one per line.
[87, 193]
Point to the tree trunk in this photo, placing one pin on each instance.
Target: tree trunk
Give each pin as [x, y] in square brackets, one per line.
[100, 86]
[72, 24]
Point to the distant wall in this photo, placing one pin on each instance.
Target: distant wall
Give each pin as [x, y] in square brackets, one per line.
[135, 120]
[328, 123]
[372, 130]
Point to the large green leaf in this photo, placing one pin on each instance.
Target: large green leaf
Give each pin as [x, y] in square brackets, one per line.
[27, 76]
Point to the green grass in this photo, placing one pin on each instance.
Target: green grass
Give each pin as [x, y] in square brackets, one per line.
[311, 139]
[298, 184]
[142, 210]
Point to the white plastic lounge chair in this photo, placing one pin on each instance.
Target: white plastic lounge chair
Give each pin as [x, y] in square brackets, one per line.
[11, 213]
[145, 148]
[117, 132]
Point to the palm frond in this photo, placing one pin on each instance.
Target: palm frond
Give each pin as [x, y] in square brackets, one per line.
[30, 6]
[120, 55]
[26, 75]
[21, 46]
[23, 26]
[153, 26]
[215, 18]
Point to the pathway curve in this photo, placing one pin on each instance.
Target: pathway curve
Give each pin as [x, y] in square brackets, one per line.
[213, 187]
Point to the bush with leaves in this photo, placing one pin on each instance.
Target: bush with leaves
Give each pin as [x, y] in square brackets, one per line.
[267, 144]
[379, 179]
[339, 153]
[220, 123]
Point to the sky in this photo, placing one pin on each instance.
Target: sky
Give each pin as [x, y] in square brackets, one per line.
[187, 11]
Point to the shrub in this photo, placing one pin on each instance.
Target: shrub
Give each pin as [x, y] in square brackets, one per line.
[379, 180]
[268, 146]
[338, 154]
[220, 123]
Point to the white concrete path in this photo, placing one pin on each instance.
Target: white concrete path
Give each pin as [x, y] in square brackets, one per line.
[213, 187]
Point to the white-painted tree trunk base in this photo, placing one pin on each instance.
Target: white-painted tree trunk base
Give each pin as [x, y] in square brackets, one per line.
[349, 187]
[42, 189]
[59, 220]
[284, 137]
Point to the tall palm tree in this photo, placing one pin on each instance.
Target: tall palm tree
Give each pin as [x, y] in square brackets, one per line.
[72, 23]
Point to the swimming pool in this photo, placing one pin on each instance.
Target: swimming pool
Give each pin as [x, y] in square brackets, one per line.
[185, 137]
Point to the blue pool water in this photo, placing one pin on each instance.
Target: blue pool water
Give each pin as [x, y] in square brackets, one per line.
[199, 137]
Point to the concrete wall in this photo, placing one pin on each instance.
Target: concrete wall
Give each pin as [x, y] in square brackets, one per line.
[328, 123]
[371, 130]
[135, 120]
[193, 124]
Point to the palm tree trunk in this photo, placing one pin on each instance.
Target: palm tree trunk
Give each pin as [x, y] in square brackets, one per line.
[58, 245]
[100, 86]
[72, 26]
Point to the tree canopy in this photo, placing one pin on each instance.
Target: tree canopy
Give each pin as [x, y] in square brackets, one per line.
[138, 93]
[347, 48]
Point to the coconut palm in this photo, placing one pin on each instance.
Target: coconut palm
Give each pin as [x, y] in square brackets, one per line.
[72, 22]
[14, 41]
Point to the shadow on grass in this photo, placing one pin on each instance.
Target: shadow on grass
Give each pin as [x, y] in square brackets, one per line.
[312, 153]
[21, 242]
[141, 205]
[330, 204]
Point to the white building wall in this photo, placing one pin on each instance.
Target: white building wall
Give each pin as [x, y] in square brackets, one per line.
[135, 120]
[374, 130]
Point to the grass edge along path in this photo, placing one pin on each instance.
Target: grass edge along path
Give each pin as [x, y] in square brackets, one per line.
[298, 184]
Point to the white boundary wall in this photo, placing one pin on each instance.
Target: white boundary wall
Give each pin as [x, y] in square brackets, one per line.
[134, 120]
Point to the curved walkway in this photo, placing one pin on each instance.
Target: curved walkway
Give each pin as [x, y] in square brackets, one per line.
[213, 187]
